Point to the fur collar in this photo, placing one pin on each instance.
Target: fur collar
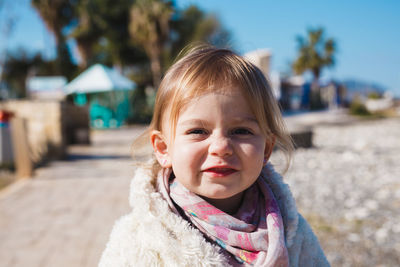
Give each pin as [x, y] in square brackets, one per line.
[286, 202]
[152, 215]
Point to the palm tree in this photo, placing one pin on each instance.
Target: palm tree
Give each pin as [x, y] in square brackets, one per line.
[102, 33]
[87, 32]
[54, 15]
[314, 54]
[149, 28]
[57, 14]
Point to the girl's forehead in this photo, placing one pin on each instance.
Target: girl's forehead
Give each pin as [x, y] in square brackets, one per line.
[217, 93]
[226, 103]
[218, 88]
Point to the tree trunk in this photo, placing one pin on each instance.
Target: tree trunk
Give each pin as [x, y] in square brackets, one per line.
[155, 65]
[315, 92]
[85, 52]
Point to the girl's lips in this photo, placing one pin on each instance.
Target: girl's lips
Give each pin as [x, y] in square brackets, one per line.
[220, 171]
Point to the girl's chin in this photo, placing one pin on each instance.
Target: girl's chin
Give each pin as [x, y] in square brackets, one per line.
[221, 196]
[219, 192]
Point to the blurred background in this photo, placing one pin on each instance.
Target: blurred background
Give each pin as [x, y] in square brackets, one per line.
[78, 80]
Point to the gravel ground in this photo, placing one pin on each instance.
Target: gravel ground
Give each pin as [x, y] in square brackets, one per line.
[348, 188]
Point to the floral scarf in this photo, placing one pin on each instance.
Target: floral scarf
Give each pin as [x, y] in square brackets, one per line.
[254, 235]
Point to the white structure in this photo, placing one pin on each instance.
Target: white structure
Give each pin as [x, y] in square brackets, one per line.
[276, 84]
[99, 78]
[262, 59]
[46, 87]
[375, 105]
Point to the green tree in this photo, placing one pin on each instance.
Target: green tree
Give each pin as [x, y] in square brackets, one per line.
[149, 28]
[314, 53]
[193, 25]
[18, 66]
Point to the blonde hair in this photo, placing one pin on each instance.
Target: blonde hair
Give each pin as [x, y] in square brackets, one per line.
[206, 69]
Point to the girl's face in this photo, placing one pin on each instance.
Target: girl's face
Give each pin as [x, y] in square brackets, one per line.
[218, 150]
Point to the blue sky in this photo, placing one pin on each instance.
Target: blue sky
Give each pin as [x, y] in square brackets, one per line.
[367, 32]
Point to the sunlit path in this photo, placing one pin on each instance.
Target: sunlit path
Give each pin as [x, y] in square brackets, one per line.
[64, 215]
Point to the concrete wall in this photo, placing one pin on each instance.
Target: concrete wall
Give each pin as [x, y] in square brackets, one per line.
[49, 125]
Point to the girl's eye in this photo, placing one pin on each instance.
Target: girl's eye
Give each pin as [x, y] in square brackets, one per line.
[197, 132]
[242, 131]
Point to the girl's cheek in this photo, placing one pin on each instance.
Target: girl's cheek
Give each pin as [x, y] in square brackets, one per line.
[253, 147]
[186, 151]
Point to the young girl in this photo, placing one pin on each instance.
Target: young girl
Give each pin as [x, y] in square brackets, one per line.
[211, 198]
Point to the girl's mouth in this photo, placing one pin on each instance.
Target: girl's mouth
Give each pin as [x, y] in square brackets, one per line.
[219, 171]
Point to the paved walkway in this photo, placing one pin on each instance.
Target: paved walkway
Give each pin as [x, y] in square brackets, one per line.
[63, 216]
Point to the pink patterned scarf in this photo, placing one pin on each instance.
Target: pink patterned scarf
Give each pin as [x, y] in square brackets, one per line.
[254, 235]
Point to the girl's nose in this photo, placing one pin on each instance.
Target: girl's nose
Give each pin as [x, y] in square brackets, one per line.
[220, 146]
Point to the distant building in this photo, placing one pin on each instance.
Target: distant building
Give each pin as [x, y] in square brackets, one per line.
[46, 87]
[293, 93]
[361, 89]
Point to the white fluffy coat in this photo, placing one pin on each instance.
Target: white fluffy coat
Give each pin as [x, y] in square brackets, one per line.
[152, 235]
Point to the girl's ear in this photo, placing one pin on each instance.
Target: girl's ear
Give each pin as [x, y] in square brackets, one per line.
[160, 148]
[269, 146]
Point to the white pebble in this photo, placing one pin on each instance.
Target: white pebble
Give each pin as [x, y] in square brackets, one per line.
[371, 204]
[353, 237]
[381, 235]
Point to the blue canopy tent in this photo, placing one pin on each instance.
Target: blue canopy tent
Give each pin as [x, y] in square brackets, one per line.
[106, 92]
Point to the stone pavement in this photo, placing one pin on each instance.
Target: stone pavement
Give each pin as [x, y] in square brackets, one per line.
[64, 215]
